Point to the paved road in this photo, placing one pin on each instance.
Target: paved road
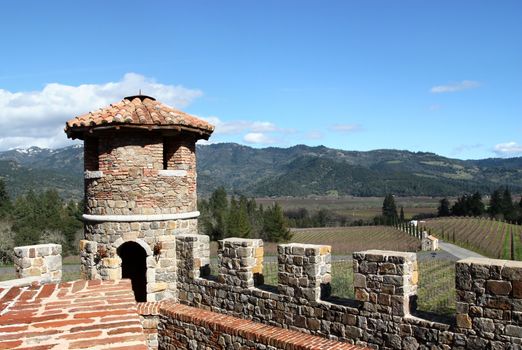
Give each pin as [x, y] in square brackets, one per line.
[458, 252]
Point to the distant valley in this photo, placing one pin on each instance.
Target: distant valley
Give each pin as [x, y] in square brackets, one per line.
[295, 171]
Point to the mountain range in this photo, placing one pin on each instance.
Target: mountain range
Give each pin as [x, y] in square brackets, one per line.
[295, 171]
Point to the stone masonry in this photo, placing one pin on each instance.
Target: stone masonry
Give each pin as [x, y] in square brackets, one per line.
[185, 327]
[140, 191]
[240, 262]
[304, 271]
[43, 261]
[382, 316]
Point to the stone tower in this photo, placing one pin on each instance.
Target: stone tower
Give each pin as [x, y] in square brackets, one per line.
[140, 191]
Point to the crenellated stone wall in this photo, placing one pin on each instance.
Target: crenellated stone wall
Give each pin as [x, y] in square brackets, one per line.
[383, 314]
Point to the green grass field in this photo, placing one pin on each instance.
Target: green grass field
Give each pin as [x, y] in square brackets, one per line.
[355, 208]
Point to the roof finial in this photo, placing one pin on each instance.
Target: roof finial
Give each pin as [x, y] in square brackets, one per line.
[140, 92]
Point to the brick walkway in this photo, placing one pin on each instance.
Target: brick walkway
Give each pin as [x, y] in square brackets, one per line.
[73, 315]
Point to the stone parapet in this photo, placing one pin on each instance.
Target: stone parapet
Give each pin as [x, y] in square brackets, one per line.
[240, 262]
[42, 260]
[185, 327]
[304, 270]
[386, 281]
[193, 255]
[382, 315]
[489, 297]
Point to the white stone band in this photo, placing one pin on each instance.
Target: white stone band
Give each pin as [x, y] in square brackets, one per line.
[131, 218]
[172, 172]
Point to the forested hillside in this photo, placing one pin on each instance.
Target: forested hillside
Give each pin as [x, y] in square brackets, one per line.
[295, 171]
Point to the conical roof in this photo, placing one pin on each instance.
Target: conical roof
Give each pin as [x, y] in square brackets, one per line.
[138, 111]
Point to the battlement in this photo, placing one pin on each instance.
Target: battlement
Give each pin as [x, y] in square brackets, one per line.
[489, 294]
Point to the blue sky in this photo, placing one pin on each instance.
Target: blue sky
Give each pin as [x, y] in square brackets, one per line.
[438, 76]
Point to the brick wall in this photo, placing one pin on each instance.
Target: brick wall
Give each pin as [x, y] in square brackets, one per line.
[383, 313]
[132, 179]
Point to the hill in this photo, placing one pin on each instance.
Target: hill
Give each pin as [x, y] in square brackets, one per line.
[295, 171]
[303, 171]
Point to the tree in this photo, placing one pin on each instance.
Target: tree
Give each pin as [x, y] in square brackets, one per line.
[506, 205]
[389, 209]
[444, 207]
[43, 218]
[274, 225]
[218, 209]
[5, 201]
[475, 205]
[244, 227]
[495, 203]
[232, 223]
[402, 214]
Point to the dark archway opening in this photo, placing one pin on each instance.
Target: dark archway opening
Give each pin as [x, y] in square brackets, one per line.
[134, 266]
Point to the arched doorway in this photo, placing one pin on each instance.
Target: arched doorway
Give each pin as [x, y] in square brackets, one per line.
[134, 266]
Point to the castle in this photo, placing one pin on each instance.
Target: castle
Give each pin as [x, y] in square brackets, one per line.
[146, 280]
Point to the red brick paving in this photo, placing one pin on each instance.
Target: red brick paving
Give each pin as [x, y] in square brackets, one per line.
[80, 314]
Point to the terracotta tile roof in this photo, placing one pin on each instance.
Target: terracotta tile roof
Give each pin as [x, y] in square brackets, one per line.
[137, 111]
[72, 315]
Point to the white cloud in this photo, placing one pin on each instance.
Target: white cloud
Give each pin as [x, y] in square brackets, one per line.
[463, 148]
[259, 138]
[240, 126]
[508, 149]
[346, 128]
[454, 87]
[264, 127]
[314, 135]
[37, 117]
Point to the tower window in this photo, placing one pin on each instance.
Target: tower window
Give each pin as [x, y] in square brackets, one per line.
[91, 154]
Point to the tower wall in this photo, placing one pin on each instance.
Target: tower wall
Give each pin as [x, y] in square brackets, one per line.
[140, 186]
[137, 176]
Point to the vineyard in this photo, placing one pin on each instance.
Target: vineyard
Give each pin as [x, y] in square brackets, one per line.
[346, 240]
[485, 236]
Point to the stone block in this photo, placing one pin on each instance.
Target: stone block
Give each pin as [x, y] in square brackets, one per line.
[514, 331]
[463, 321]
[483, 324]
[498, 287]
[359, 280]
[156, 287]
[111, 262]
[517, 289]
[113, 274]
